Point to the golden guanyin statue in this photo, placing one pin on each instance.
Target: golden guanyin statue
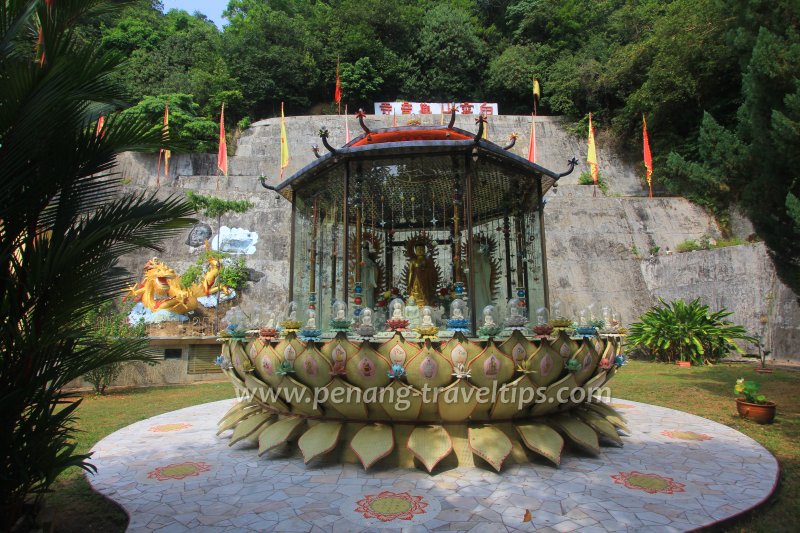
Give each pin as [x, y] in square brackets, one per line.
[421, 280]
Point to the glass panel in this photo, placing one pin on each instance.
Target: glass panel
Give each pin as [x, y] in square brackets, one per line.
[318, 249]
[407, 235]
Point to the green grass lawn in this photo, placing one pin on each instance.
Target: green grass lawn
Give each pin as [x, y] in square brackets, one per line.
[707, 392]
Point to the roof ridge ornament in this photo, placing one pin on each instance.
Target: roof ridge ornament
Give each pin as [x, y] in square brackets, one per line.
[323, 134]
[480, 121]
[512, 141]
[572, 163]
[360, 116]
[315, 149]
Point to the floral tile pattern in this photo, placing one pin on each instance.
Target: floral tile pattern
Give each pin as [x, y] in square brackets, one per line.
[178, 471]
[388, 506]
[650, 483]
[686, 435]
[191, 480]
[166, 428]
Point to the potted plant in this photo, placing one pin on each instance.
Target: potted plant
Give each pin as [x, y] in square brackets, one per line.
[753, 406]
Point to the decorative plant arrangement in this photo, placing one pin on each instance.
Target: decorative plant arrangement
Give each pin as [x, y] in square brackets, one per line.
[686, 332]
[753, 406]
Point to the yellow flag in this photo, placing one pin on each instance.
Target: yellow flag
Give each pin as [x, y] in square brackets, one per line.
[591, 158]
[284, 143]
[537, 91]
[167, 153]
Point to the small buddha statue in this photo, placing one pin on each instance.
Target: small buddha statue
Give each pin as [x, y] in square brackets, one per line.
[427, 320]
[458, 314]
[340, 314]
[271, 320]
[312, 320]
[412, 311]
[293, 314]
[366, 318]
[488, 320]
[397, 311]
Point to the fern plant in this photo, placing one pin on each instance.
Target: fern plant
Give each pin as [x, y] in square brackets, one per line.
[680, 331]
[64, 222]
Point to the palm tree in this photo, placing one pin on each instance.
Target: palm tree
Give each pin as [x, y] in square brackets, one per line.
[64, 222]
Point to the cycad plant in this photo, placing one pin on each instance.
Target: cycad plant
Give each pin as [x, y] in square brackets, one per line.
[64, 222]
[680, 331]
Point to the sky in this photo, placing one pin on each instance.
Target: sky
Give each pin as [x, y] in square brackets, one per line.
[211, 8]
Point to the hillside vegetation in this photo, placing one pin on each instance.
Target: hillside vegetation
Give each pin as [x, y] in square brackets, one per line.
[718, 79]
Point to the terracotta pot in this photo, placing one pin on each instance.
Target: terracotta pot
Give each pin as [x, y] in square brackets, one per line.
[684, 364]
[762, 413]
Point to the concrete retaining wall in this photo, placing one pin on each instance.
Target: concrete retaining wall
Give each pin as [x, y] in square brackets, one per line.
[598, 247]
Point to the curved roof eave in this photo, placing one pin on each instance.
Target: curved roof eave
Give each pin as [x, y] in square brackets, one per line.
[410, 149]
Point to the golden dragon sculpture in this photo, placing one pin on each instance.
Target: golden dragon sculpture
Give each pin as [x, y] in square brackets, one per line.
[160, 288]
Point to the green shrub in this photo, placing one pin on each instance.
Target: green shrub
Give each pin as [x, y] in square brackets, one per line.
[689, 246]
[109, 322]
[192, 274]
[244, 123]
[733, 241]
[232, 272]
[706, 244]
[686, 332]
[586, 179]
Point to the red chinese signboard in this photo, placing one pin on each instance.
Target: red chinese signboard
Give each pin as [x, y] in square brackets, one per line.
[427, 108]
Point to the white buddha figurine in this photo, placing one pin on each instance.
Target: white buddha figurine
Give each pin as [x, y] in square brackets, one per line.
[312, 320]
[271, 321]
[340, 314]
[366, 317]
[488, 320]
[458, 314]
[412, 312]
[427, 320]
[397, 311]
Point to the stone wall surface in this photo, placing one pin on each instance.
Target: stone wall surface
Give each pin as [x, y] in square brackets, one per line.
[599, 247]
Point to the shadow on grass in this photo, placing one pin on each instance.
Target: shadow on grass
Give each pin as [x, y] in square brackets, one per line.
[74, 507]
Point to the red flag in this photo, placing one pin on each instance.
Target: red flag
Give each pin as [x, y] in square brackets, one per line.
[648, 157]
[337, 94]
[100, 123]
[222, 152]
[532, 144]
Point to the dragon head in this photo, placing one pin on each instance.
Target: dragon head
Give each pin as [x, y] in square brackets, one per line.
[159, 274]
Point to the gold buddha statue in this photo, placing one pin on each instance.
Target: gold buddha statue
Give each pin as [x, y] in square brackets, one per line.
[421, 277]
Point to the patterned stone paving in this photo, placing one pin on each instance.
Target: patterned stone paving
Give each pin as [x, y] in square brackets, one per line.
[676, 472]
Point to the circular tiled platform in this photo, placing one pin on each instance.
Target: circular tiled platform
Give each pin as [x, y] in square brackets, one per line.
[676, 472]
